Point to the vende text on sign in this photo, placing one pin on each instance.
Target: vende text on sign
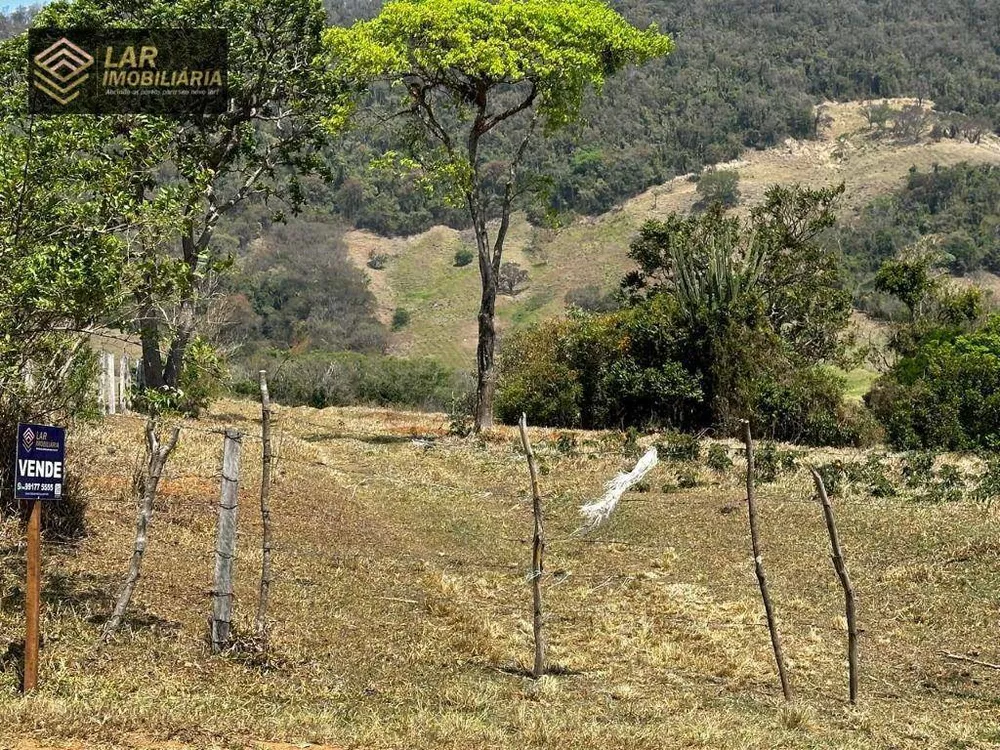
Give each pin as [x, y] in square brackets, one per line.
[40, 465]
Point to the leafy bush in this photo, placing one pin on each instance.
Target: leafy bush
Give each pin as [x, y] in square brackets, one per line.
[378, 261]
[591, 298]
[718, 458]
[987, 488]
[871, 477]
[719, 186]
[687, 479]
[944, 395]
[918, 468]
[535, 382]
[809, 408]
[832, 475]
[770, 462]
[463, 257]
[679, 446]
[400, 318]
[321, 379]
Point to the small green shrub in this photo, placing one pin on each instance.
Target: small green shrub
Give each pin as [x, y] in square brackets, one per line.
[322, 379]
[630, 442]
[463, 257]
[871, 477]
[687, 478]
[378, 261]
[945, 393]
[566, 443]
[987, 488]
[400, 318]
[770, 462]
[668, 487]
[832, 475]
[718, 458]
[679, 446]
[918, 468]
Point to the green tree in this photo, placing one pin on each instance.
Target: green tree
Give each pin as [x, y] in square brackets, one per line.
[64, 212]
[719, 186]
[469, 69]
[268, 137]
[909, 281]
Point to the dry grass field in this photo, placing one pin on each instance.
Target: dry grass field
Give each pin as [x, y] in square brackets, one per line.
[401, 611]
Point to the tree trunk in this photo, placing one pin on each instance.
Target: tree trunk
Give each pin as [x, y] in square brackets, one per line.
[179, 345]
[485, 350]
[157, 459]
[152, 360]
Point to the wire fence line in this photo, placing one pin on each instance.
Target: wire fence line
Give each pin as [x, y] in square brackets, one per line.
[347, 477]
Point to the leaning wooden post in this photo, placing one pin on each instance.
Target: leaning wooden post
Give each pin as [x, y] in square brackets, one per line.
[265, 510]
[225, 548]
[758, 560]
[840, 566]
[537, 553]
[157, 456]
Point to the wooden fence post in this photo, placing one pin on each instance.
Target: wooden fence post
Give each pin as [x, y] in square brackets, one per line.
[123, 384]
[840, 566]
[110, 399]
[758, 560]
[225, 548]
[157, 456]
[537, 553]
[102, 385]
[265, 510]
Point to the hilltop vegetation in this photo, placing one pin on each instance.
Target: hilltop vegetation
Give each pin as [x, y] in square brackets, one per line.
[745, 74]
[419, 272]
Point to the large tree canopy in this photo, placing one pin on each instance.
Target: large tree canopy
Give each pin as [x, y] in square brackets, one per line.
[559, 48]
[471, 68]
[203, 168]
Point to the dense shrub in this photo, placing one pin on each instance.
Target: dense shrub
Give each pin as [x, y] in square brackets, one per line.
[719, 186]
[463, 257]
[534, 381]
[809, 407]
[592, 299]
[679, 446]
[321, 379]
[400, 318]
[718, 458]
[946, 394]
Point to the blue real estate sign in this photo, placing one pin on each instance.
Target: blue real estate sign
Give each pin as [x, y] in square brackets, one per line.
[41, 455]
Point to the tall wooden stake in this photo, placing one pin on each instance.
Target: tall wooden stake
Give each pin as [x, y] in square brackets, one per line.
[265, 510]
[840, 566]
[758, 560]
[537, 553]
[33, 596]
[111, 399]
[225, 549]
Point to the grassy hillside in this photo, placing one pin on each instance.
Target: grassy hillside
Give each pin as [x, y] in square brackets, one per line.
[401, 614]
[443, 300]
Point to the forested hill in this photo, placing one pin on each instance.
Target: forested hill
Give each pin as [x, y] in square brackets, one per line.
[745, 73]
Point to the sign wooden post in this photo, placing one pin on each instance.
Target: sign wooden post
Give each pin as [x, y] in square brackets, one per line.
[38, 475]
[33, 596]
